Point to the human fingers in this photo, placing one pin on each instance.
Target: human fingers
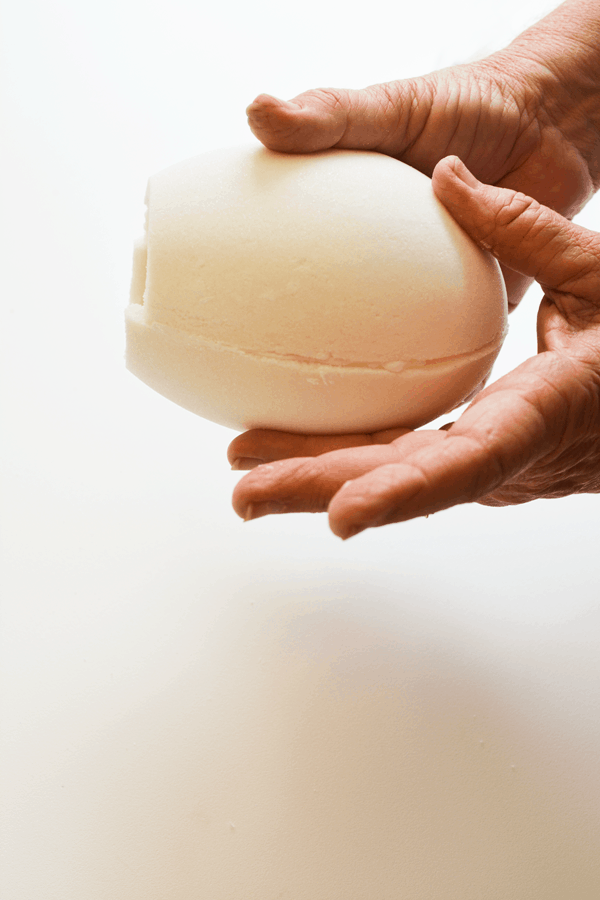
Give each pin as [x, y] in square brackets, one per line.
[521, 233]
[518, 420]
[415, 120]
[307, 484]
[261, 445]
[523, 430]
[366, 119]
[522, 419]
[521, 254]
[525, 417]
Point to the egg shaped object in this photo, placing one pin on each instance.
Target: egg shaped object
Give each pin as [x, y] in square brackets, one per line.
[322, 293]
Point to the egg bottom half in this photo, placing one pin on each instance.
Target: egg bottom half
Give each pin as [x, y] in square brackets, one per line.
[242, 390]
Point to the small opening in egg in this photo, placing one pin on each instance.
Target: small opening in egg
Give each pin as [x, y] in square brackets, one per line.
[138, 278]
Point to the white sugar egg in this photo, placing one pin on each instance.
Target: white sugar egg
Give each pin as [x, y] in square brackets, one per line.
[320, 293]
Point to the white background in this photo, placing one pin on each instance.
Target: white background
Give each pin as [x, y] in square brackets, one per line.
[117, 524]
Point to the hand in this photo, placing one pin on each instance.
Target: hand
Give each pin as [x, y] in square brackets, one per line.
[507, 119]
[533, 433]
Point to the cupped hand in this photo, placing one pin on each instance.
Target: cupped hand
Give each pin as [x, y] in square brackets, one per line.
[534, 433]
[505, 118]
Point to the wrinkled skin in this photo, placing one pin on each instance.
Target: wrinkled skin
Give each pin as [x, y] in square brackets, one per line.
[535, 432]
[506, 120]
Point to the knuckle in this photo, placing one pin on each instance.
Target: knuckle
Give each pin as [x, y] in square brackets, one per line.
[385, 97]
[581, 266]
[333, 98]
[309, 484]
[488, 470]
[517, 206]
[296, 483]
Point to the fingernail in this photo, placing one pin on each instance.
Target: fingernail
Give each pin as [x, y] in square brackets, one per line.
[268, 507]
[356, 529]
[462, 173]
[245, 463]
[265, 99]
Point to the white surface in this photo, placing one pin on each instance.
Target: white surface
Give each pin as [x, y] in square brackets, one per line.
[133, 594]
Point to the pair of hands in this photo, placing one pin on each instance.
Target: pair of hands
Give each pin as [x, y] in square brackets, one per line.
[535, 432]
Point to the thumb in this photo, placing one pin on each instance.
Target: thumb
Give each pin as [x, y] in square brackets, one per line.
[328, 117]
[521, 233]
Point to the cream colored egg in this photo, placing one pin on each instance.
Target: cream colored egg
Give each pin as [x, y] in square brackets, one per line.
[324, 293]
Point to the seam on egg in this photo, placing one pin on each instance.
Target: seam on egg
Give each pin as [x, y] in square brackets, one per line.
[393, 367]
